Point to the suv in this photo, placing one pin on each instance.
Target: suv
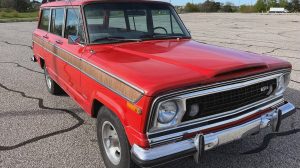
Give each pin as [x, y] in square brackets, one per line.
[157, 94]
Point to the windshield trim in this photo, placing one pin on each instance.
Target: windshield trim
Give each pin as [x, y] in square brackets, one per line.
[172, 10]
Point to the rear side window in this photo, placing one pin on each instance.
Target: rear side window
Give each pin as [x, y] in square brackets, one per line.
[74, 25]
[44, 21]
[57, 20]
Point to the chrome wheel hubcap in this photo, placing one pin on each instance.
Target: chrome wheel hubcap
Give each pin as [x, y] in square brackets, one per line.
[111, 142]
[48, 81]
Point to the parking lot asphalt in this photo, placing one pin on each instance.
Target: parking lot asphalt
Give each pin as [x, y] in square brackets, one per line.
[41, 130]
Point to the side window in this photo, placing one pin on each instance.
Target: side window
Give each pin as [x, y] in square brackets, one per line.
[117, 19]
[57, 20]
[74, 25]
[44, 21]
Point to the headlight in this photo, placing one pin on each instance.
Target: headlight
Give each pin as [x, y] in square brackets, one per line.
[167, 112]
[283, 82]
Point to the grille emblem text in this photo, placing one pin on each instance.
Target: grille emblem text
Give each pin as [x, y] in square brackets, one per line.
[265, 88]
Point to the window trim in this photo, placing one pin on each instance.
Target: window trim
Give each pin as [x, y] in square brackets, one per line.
[64, 20]
[80, 15]
[40, 19]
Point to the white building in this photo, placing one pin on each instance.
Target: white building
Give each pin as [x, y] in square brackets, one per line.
[278, 10]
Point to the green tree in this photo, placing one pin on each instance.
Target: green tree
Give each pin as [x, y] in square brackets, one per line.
[247, 9]
[210, 6]
[261, 6]
[8, 3]
[295, 6]
[283, 3]
[21, 5]
[228, 7]
[190, 7]
[272, 3]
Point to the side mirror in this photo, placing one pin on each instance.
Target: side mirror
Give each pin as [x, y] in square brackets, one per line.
[73, 40]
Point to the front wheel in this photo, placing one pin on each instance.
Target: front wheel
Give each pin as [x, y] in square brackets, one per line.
[112, 140]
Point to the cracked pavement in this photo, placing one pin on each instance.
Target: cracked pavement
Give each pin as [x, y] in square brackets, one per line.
[41, 130]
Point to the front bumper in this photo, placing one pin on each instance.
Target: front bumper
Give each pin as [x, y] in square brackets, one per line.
[196, 146]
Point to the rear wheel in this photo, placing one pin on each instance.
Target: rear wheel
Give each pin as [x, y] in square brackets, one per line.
[112, 140]
[52, 86]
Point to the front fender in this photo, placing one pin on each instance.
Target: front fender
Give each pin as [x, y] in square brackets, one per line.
[113, 105]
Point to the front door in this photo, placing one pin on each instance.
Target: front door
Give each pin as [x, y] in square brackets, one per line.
[65, 22]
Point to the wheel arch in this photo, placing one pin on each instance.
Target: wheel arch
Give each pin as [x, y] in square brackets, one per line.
[96, 105]
[101, 100]
[42, 62]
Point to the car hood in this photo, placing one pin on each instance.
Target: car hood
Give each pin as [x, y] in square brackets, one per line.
[164, 65]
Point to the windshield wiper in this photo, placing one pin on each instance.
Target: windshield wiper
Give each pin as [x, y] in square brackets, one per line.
[116, 39]
[166, 36]
[155, 37]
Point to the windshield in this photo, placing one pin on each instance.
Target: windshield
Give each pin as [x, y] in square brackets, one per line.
[119, 22]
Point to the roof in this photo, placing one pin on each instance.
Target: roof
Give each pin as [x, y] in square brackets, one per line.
[83, 2]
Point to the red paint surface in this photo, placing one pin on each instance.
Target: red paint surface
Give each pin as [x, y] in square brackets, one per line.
[154, 66]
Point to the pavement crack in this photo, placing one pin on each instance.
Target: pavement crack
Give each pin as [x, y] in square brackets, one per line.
[288, 57]
[269, 52]
[282, 34]
[295, 81]
[21, 66]
[269, 137]
[16, 44]
[41, 105]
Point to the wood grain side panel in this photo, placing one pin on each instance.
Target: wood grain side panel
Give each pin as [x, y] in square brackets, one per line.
[97, 74]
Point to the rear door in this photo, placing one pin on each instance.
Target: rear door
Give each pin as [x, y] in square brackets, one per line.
[54, 63]
[40, 35]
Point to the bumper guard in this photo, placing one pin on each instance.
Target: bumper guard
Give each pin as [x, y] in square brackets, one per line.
[196, 146]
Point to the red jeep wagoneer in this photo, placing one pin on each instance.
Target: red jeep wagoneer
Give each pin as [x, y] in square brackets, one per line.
[157, 94]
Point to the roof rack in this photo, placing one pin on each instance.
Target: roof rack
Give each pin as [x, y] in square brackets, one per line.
[47, 1]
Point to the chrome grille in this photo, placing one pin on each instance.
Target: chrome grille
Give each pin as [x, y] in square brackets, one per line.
[230, 100]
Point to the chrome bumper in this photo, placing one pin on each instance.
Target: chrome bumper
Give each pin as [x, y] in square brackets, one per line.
[165, 153]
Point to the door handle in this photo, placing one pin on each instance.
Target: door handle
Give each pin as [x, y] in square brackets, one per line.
[46, 36]
[59, 42]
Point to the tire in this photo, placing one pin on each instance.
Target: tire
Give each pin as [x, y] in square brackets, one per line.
[51, 85]
[106, 120]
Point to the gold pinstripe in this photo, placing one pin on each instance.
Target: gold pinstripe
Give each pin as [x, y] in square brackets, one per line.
[104, 78]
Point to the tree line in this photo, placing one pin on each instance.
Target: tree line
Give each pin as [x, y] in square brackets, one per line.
[259, 6]
[210, 6]
[265, 5]
[18, 5]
